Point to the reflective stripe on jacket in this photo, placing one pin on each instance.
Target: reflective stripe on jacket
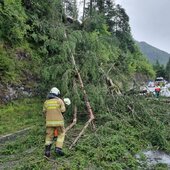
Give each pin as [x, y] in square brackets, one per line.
[53, 109]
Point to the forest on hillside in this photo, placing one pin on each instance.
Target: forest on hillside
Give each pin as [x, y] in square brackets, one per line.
[33, 38]
[92, 59]
[153, 54]
[160, 59]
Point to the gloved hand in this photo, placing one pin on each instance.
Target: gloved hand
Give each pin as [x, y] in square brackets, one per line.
[67, 101]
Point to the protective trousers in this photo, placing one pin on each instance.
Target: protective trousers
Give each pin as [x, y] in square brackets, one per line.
[50, 135]
[157, 94]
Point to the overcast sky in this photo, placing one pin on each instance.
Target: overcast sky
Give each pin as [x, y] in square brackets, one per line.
[149, 21]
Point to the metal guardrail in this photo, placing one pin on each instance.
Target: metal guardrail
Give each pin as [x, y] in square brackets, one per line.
[13, 136]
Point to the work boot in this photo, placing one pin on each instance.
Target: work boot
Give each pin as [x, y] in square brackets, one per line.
[59, 151]
[47, 150]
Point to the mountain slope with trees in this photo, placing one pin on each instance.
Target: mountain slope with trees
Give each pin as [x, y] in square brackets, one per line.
[153, 54]
[34, 34]
[42, 47]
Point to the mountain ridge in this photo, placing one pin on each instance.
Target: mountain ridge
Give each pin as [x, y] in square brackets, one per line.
[153, 53]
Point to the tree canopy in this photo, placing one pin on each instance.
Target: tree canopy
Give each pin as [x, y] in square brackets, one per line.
[101, 41]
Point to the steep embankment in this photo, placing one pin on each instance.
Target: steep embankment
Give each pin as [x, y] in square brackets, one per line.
[19, 72]
[38, 40]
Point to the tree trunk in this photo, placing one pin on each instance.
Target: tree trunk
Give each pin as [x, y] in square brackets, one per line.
[91, 115]
[74, 119]
[84, 4]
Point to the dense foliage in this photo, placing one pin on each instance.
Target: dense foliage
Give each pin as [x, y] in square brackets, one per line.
[161, 70]
[37, 41]
[167, 71]
[127, 127]
[36, 31]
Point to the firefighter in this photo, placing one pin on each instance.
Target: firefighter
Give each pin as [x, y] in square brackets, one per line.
[53, 108]
[157, 90]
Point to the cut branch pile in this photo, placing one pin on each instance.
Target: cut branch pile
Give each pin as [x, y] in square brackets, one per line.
[91, 115]
[112, 86]
[74, 120]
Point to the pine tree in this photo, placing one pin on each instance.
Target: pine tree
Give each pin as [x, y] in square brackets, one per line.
[167, 70]
[101, 5]
[110, 13]
[71, 9]
[160, 70]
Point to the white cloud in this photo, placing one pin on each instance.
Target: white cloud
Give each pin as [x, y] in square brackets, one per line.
[149, 21]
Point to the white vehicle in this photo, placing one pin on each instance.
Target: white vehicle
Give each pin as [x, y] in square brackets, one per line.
[160, 80]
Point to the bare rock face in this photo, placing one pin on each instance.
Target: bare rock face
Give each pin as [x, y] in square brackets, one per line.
[140, 78]
[21, 54]
[11, 92]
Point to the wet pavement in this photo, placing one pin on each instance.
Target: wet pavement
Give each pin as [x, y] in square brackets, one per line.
[156, 157]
